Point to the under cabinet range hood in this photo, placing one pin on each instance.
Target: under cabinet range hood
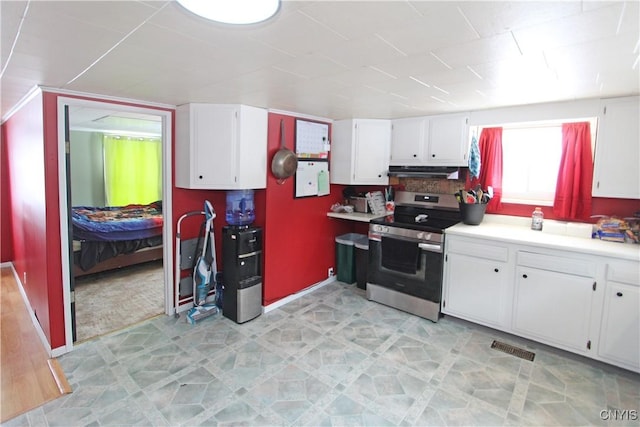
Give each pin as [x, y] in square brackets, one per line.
[449, 172]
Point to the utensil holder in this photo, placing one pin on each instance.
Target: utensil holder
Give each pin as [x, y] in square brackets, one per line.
[472, 213]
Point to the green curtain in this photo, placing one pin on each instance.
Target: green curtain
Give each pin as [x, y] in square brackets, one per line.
[132, 169]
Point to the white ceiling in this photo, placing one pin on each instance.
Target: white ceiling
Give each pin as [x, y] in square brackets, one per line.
[333, 59]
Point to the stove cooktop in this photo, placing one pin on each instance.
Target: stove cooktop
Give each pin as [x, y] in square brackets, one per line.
[428, 224]
[424, 212]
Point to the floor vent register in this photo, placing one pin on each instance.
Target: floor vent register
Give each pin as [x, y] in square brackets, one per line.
[513, 350]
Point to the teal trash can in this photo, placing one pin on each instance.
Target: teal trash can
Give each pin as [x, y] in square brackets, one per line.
[362, 260]
[345, 257]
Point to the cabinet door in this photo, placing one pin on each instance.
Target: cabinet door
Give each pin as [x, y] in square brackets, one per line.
[372, 142]
[222, 164]
[553, 307]
[475, 289]
[408, 141]
[616, 173]
[448, 140]
[620, 331]
[342, 149]
[195, 150]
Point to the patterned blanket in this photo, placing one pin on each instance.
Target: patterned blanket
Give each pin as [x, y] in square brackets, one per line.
[117, 222]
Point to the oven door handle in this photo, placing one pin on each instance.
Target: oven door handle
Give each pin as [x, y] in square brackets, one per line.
[430, 247]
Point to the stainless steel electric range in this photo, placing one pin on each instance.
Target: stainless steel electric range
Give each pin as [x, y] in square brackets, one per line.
[406, 253]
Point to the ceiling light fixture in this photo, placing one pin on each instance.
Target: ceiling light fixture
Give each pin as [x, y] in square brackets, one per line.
[233, 11]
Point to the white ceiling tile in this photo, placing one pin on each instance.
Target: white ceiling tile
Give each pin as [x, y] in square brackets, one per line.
[494, 48]
[584, 27]
[310, 66]
[495, 17]
[355, 19]
[296, 34]
[604, 62]
[98, 13]
[427, 36]
[361, 52]
[414, 65]
[11, 13]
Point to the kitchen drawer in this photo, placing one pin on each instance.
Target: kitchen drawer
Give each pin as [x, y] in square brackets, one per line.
[479, 250]
[624, 272]
[577, 267]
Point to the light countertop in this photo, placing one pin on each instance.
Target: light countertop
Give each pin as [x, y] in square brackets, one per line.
[559, 235]
[355, 216]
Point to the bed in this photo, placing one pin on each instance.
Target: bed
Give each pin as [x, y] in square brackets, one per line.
[106, 238]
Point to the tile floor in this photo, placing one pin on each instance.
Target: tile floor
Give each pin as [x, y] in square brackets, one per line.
[329, 358]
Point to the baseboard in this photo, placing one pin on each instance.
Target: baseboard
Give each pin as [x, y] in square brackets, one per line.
[59, 376]
[297, 295]
[6, 264]
[34, 320]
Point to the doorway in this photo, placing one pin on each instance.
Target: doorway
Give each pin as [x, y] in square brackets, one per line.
[141, 265]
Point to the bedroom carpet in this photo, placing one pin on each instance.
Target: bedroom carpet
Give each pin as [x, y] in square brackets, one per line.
[112, 300]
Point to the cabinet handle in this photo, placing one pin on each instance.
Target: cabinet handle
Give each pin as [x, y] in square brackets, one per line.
[524, 276]
[619, 294]
[496, 270]
[200, 177]
[379, 176]
[433, 155]
[415, 155]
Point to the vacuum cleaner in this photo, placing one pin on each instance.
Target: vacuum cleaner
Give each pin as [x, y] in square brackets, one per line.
[204, 272]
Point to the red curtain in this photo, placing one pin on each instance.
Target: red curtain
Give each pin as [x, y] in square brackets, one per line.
[490, 145]
[573, 188]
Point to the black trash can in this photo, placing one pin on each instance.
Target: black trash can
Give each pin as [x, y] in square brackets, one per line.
[362, 261]
[345, 257]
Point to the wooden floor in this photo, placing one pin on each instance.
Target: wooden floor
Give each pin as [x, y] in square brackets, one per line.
[29, 378]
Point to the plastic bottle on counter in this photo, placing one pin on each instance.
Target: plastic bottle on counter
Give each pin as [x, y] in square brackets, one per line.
[537, 217]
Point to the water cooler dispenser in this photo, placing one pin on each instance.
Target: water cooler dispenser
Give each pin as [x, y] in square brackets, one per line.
[242, 269]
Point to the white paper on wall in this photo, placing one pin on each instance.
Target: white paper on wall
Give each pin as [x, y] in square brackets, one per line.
[312, 178]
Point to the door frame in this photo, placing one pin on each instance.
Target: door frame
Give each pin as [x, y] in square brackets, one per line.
[167, 202]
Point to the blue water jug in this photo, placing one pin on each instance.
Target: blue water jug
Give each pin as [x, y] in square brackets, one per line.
[240, 210]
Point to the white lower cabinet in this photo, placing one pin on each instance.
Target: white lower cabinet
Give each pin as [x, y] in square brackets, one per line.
[554, 307]
[552, 299]
[579, 302]
[477, 282]
[620, 329]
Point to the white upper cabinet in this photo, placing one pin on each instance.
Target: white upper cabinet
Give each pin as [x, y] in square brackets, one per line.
[448, 140]
[430, 141]
[360, 152]
[616, 173]
[409, 141]
[221, 147]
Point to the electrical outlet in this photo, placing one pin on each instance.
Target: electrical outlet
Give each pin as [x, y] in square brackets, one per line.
[330, 272]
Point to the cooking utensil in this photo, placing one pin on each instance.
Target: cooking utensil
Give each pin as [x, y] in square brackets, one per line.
[284, 162]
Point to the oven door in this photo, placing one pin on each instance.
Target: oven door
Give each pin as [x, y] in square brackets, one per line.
[406, 266]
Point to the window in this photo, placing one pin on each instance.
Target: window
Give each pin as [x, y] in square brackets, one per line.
[132, 169]
[531, 158]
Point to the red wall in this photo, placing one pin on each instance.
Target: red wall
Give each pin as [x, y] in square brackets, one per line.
[620, 208]
[29, 188]
[6, 238]
[299, 237]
